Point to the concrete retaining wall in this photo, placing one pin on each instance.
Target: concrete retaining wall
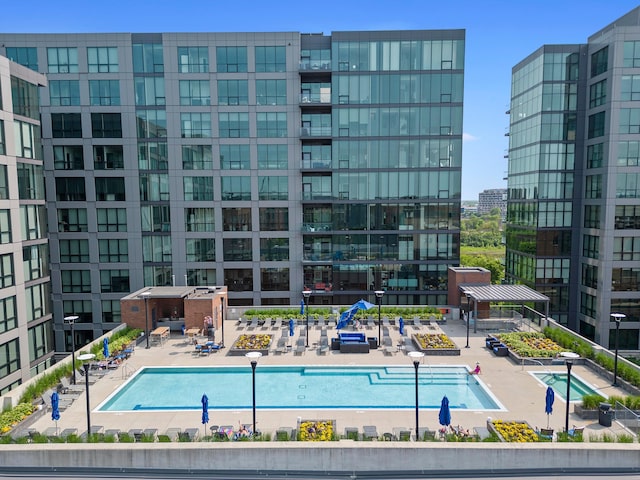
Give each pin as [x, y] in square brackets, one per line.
[334, 457]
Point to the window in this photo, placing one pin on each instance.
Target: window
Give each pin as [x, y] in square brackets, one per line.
[271, 59]
[108, 157]
[5, 226]
[629, 153]
[158, 275]
[273, 279]
[238, 279]
[62, 60]
[70, 189]
[3, 144]
[274, 219]
[66, 125]
[114, 281]
[156, 218]
[627, 185]
[235, 157]
[271, 124]
[110, 189]
[33, 221]
[27, 137]
[38, 301]
[64, 92]
[233, 92]
[588, 304]
[111, 312]
[631, 54]
[72, 220]
[193, 59]
[104, 92]
[150, 91]
[594, 186]
[195, 125]
[271, 92]
[25, 56]
[24, 98]
[625, 279]
[76, 281]
[236, 219]
[151, 123]
[590, 246]
[627, 217]
[233, 125]
[35, 261]
[274, 249]
[30, 181]
[106, 125]
[201, 276]
[154, 187]
[68, 157]
[599, 61]
[102, 59]
[197, 157]
[626, 248]
[630, 120]
[237, 249]
[113, 250]
[153, 156]
[112, 219]
[147, 58]
[231, 59]
[596, 125]
[8, 314]
[195, 92]
[236, 188]
[198, 188]
[9, 357]
[598, 93]
[273, 188]
[74, 251]
[4, 183]
[595, 155]
[156, 248]
[201, 249]
[199, 219]
[592, 216]
[273, 157]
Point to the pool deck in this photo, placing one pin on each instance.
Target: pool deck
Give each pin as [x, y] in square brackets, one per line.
[515, 388]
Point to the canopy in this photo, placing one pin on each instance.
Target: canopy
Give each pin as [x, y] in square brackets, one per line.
[548, 404]
[301, 307]
[347, 315]
[55, 406]
[205, 409]
[401, 326]
[105, 347]
[291, 327]
[444, 416]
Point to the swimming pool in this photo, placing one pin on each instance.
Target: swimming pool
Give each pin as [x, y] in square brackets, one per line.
[558, 381]
[300, 387]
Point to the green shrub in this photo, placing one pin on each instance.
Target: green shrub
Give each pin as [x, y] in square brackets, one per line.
[625, 438]
[592, 401]
[124, 437]
[164, 438]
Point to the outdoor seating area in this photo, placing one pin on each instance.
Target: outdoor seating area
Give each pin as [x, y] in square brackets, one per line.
[351, 342]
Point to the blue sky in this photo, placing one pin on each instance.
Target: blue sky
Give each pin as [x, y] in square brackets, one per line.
[499, 35]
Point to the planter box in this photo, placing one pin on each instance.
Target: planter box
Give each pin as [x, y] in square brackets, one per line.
[491, 427]
[455, 350]
[235, 351]
[313, 432]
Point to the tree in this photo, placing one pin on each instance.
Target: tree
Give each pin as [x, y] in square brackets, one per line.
[484, 261]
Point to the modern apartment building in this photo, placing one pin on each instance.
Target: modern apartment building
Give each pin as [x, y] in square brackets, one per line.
[265, 162]
[26, 342]
[493, 198]
[574, 182]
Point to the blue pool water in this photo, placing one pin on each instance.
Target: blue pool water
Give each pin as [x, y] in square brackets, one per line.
[279, 387]
[558, 381]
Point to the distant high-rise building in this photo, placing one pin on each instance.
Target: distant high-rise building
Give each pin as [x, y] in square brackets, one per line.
[266, 162]
[493, 198]
[574, 182]
[26, 340]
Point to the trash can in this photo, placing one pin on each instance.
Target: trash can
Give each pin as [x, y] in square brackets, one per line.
[604, 414]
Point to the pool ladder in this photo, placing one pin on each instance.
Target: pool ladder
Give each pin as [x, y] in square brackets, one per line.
[127, 371]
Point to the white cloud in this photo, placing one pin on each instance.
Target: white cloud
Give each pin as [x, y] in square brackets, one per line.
[467, 137]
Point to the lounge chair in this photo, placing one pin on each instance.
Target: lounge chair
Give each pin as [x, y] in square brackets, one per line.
[323, 347]
[93, 376]
[369, 432]
[426, 434]
[112, 433]
[351, 433]
[67, 432]
[225, 432]
[255, 323]
[387, 345]
[173, 434]
[546, 434]
[575, 432]
[67, 387]
[283, 345]
[284, 434]
[63, 403]
[300, 346]
[191, 434]
[401, 434]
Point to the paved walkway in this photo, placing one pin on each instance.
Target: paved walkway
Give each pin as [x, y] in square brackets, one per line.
[522, 396]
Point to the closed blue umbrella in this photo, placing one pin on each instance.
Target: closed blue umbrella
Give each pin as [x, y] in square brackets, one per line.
[55, 409]
[205, 410]
[444, 416]
[105, 347]
[548, 404]
[291, 327]
[301, 307]
[401, 326]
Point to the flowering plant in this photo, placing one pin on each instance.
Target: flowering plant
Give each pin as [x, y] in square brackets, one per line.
[434, 340]
[520, 432]
[253, 342]
[316, 431]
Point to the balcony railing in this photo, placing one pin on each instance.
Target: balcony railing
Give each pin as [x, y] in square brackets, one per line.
[321, 98]
[315, 132]
[313, 163]
[315, 65]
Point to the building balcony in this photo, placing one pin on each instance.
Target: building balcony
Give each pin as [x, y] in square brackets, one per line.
[322, 164]
[322, 98]
[315, 65]
[315, 132]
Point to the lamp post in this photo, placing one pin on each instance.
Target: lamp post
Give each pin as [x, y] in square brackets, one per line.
[222, 321]
[253, 357]
[566, 420]
[618, 318]
[306, 294]
[85, 357]
[468, 294]
[416, 357]
[71, 319]
[379, 294]
[145, 295]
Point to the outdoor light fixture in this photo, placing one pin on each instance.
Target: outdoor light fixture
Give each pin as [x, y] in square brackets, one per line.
[566, 420]
[71, 319]
[468, 293]
[253, 357]
[618, 318]
[145, 295]
[85, 357]
[306, 294]
[379, 294]
[416, 357]
[222, 299]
